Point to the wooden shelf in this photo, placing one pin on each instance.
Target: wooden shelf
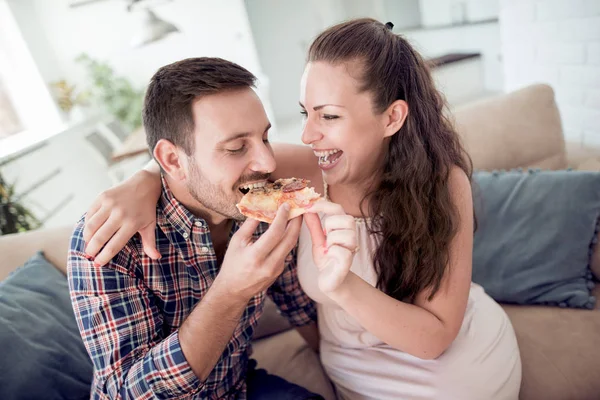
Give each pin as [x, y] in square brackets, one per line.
[451, 58]
[447, 26]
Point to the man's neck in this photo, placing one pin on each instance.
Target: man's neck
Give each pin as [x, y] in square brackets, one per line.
[216, 222]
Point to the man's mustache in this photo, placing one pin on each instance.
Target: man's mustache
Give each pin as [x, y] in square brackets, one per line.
[253, 177]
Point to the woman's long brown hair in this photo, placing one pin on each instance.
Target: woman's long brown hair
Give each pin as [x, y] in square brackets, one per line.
[411, 206]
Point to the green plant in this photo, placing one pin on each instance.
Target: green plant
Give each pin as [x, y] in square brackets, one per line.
[117, 94]
[68, 96]
[14, 216]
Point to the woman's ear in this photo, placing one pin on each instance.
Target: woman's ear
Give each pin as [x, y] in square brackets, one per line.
[170, 160]
[395, 116]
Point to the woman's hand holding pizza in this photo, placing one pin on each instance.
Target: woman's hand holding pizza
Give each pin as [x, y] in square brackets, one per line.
[335, 241]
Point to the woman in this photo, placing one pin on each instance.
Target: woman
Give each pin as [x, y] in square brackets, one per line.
[401, 320]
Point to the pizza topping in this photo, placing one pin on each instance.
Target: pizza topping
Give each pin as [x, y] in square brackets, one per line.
[294, 186]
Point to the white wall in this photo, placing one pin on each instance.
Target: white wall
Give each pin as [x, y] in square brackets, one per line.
[283, 31]
[445, 12]
[557, 42]
[480, 38]
[402, 13]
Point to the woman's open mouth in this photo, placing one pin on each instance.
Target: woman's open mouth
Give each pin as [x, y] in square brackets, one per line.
[328, 158]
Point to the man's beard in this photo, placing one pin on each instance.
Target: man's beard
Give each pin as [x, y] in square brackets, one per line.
[212, 196]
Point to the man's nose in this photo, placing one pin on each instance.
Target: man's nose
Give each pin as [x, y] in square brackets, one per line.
[263, 160]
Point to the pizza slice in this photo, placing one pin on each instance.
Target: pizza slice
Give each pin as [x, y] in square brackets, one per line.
[262, 203]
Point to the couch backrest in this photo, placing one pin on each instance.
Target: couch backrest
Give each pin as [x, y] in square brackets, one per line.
[15, 249]
[517, 129]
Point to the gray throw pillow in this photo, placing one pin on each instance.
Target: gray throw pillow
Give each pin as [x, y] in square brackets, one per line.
[43, 356]
[535, 235]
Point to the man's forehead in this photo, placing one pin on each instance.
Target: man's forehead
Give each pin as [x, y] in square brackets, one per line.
[223, 118]
[220, 116]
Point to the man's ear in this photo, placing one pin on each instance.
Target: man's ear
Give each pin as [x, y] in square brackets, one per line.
[395, 117]
[170, 159]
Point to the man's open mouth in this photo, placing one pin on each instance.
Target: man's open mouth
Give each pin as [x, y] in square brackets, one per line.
[249, 186]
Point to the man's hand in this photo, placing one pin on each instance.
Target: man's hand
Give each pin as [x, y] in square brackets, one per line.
[250, 267]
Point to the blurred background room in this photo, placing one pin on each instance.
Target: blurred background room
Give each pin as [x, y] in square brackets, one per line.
[73, 74]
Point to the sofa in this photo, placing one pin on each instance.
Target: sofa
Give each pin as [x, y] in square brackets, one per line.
[560, 347]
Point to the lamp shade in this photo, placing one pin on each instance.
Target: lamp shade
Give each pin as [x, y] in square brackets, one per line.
[152, 30]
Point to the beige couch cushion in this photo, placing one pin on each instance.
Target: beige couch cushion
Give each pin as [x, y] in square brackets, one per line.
[560, 351]
[271, 322]
[519, 129]
[18, 248]
[287, 355]
[583, 158]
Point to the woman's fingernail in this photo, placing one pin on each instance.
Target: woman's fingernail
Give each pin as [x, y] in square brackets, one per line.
[97, 265]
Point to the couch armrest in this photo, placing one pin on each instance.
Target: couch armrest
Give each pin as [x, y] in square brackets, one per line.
[17, 248]
[584, 158]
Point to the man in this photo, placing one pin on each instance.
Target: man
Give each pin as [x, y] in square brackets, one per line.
[180, 326]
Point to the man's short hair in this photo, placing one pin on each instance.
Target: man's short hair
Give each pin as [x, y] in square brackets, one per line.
[167, 112]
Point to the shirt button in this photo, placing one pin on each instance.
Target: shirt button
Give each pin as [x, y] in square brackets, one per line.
[186, 235]
[198, 223]
[204, 249]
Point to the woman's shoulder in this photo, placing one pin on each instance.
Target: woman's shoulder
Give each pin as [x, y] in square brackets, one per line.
[460, 191]
[459, 183]
[297, 161]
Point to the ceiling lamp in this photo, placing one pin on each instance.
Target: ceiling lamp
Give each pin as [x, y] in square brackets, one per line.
[152, 30]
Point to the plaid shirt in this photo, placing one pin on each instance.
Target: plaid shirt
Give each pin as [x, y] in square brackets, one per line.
[129, 311]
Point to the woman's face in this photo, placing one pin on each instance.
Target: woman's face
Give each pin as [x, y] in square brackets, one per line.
[340, 123]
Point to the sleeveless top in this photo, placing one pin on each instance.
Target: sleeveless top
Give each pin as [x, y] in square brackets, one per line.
[483, 362]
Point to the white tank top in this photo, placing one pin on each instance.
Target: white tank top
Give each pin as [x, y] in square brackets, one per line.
[483, 362]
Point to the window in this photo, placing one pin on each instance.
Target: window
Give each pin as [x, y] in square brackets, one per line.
[10, 122]
[27, 110]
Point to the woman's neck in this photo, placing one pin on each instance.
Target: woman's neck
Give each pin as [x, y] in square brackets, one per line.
[349, 196]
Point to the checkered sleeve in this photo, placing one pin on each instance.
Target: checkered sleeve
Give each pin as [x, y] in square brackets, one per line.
[121, 329]
[289, 297]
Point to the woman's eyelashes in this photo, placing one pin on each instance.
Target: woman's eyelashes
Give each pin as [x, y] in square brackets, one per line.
[327, 117]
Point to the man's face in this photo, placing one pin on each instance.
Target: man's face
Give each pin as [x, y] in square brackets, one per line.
[231, 150]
